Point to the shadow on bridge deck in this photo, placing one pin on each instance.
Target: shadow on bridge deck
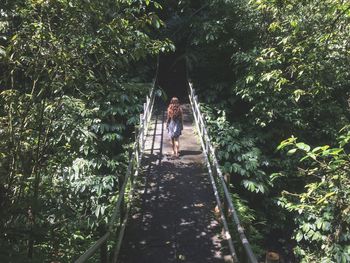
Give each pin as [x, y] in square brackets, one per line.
[173, 219]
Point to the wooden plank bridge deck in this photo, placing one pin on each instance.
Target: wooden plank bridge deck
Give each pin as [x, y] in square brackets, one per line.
[173, 219]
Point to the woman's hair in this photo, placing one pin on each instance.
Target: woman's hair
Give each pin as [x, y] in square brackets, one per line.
[174, 109]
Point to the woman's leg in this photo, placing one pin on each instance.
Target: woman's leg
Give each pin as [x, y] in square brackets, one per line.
[177, 146]
[173, 145]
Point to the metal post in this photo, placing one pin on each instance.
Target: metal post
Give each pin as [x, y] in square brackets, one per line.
[137, 147]
[207, 147]
[132, 171]
[103, 248]
[202, 129]
[141, 131]
[147, 101]
[144, 113]
[226, 208]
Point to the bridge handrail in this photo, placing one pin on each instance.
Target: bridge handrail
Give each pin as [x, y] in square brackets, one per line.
[209, 153]
[131, 173]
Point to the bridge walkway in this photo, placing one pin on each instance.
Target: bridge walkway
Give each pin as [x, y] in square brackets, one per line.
[173, 216]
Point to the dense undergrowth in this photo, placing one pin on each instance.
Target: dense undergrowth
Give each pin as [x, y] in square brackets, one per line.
[74, 77]
[267, 71]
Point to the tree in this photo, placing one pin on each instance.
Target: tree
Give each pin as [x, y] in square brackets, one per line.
[272, 69]
[67, 115]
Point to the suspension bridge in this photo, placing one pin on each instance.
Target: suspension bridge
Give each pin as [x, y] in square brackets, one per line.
[172, 209]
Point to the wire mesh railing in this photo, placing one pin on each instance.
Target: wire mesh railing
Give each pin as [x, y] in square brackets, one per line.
[125, 195]
[215, 171]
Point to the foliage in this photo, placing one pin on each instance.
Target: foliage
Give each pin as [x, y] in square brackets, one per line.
[301, 69]
[68, 108]
[252, 226]
[266, 70]
[241, 160]
[236, 151]
[323, 207]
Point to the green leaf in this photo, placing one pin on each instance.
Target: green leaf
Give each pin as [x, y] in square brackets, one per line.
[97, 211]
[2, 51]
[299, 237]
[298, 93]
[303, 146]
[291, 151]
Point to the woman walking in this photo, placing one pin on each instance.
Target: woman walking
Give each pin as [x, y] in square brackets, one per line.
[174, 124]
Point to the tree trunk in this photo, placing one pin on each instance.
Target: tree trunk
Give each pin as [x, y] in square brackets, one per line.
[37, 179]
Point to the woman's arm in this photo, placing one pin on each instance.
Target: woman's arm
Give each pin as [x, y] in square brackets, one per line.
[182, 117]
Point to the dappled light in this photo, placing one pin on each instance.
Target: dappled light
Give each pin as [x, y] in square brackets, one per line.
[173, 215]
